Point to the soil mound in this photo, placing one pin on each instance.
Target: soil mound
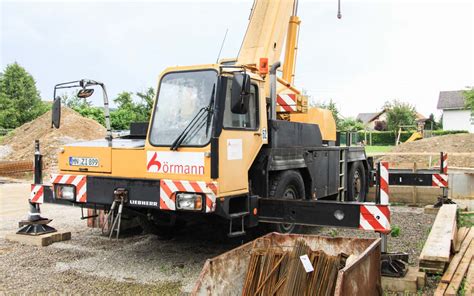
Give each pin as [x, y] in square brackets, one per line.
[460, 146]
[74, 128]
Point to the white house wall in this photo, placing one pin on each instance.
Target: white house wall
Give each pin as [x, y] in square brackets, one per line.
[458, 120]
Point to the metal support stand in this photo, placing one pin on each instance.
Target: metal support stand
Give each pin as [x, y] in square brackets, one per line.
[444, 199]
[392, 264]
[113, 220]
[35, 224]
[443, 169]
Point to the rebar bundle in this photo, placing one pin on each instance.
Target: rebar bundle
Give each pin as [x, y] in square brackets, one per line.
[273, 271]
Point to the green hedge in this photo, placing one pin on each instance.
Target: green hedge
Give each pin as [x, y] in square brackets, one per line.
[388, 138]
[442, 133]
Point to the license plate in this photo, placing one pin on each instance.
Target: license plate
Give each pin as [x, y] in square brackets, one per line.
[84, 161]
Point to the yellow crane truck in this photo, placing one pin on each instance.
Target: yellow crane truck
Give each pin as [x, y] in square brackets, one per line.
[235, 139]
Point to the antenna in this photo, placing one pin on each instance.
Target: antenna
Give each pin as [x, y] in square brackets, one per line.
[222, 45]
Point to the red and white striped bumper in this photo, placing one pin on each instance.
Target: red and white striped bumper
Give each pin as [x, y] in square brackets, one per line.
[169, 188]
[79, 181]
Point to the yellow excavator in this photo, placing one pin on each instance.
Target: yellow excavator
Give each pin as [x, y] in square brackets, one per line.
[235, 139]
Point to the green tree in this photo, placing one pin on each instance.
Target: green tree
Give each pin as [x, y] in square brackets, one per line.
[431, 122]
[84, 107]
[398, 114]
[20, 101]
[350, 124]
[148, 98]
[131, 110]
[469, 98]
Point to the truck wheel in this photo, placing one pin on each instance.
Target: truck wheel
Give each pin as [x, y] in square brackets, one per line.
[287, 185]
[357, 183]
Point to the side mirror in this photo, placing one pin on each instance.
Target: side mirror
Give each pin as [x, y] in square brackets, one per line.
[56, 113]
[240, 93]
[85, 93]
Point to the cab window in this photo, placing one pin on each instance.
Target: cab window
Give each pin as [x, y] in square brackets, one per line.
[241, 121]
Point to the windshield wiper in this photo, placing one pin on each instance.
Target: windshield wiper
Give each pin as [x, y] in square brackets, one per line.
[196, 123]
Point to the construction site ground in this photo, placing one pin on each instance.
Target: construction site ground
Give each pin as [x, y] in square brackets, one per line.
[139, 263]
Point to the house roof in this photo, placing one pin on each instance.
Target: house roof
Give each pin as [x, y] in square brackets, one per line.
[420, 117]
[368, 117]
[451, 100]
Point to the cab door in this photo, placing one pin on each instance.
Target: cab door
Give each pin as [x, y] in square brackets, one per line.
[240, 141]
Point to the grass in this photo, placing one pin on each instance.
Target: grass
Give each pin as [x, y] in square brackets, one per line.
[465, 220]
[377, 149]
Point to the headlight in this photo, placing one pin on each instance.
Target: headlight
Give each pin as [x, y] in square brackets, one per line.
[189, 201]
[67, 192]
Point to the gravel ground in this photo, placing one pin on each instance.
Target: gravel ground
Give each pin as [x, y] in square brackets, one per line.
[143, 264]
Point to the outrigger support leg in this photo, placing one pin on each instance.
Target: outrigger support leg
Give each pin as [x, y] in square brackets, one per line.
[392, 264]
[35, 224]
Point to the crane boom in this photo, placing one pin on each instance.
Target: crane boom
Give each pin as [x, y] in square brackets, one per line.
[265, 36]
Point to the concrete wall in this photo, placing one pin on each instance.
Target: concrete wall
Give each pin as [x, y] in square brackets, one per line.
[458, 120]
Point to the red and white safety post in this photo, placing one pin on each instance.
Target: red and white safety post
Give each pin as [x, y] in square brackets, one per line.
[382, 198]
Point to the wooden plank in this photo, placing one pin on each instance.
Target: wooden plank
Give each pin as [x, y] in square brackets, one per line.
[453, 287]
[448, 275]
[462, 232]
[469, 283]
[440, 289]
[438, 243]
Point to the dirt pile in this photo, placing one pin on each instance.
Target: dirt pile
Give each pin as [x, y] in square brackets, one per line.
[20, 143]
[460, 149]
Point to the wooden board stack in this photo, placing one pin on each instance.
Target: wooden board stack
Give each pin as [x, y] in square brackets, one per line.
[441, 241]
[461, 266]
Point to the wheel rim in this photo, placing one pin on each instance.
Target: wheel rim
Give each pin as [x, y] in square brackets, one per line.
[357, 185]
[290, 193]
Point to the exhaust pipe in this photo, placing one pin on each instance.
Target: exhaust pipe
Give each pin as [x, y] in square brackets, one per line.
[273, 84]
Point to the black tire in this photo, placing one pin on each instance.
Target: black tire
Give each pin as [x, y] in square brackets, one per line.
[289, 185]
[357, 187]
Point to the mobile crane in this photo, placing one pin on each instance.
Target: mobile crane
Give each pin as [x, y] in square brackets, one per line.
[232, 139]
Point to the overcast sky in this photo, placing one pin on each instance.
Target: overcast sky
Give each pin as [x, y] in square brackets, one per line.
[378, 51]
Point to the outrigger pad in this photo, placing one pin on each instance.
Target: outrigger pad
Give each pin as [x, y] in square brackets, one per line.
[36, 229]
[394, 264]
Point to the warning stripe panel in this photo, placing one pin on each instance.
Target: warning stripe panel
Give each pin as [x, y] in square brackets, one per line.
[445, 163]
[168, 189]
[79, 181]
[37, 194]
[439, 180]
[384, 180]
[375, 218]
[286, 103]
[286, 99]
